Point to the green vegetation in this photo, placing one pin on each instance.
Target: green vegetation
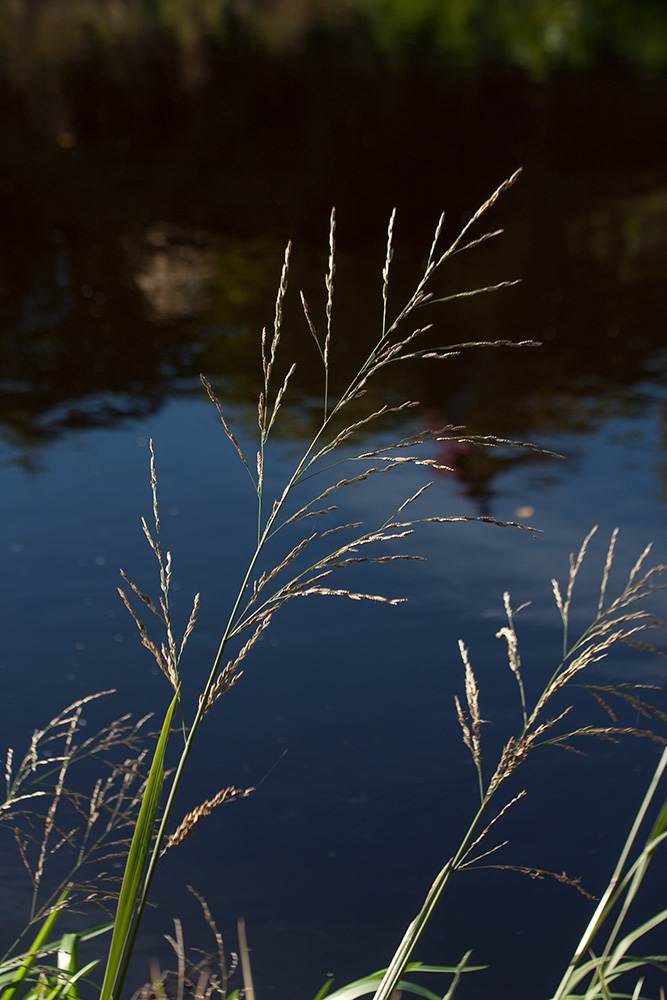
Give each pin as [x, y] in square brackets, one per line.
[147, 804]
[536, 36]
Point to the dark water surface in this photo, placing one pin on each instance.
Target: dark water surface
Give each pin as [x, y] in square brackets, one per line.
[142, 238]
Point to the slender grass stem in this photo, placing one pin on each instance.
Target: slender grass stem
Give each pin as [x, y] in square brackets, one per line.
[416, 928]
[610, 895]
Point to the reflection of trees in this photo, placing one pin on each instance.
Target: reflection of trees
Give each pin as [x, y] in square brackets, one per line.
[95, 332]
[145, 244]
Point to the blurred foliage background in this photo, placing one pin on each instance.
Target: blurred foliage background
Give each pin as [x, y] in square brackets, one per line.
[539, 35]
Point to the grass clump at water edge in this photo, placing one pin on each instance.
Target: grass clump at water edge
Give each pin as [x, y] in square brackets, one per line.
[266, 586]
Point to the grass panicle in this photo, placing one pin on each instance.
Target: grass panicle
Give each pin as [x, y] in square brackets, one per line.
[168, 654]
[612, 625]
[190, 821]
[48, 815]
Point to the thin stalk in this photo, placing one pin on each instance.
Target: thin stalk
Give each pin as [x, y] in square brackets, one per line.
[610, 895]
[656, 837]
[480, 781]
[329, 282]
[260, 489]
[416, 928]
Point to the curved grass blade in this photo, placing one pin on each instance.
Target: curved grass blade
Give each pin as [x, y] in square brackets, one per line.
[68, 962]
[369, 984]
[9, 966]
[67, 987]
[136, 859]
[323, 992]
[37, 948]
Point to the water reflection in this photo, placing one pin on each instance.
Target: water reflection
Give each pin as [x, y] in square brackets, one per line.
[97, 330]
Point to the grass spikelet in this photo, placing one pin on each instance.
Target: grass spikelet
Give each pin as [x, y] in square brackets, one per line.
[456, 245]
[329, 283]
[230, 675]
[608, 733]
[385, 271]
[167, 656]
[509, 634]
[192, 621]
[279, 398]
[311, 325]
[637, 566]
[278, 318]
[328, 592]
[192, 819]
[472, 698]
[541, 873]
[506, 764]
[465, 729]
[623, 693]
[483, 291]
[430, 264]
[607, 569]
[8, 770]
[216, 402]
[575, 566]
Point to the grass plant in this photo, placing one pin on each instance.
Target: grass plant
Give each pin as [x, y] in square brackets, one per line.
[52, 824]
[86, 829]
[623, 620]
[598, 975]
[130, 799]
[264, 589]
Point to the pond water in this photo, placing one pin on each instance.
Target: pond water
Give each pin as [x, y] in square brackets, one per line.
[142, 242]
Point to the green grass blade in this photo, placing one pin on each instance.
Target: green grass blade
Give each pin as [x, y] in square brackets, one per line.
[67, 987]
[136, 860]
[369, 984]
[95, 932]
[36, 948]
[68, 961]
[610, 895]
[400, 962]
[362, 987]
[9, 966]
[634, 935]
[461, 968]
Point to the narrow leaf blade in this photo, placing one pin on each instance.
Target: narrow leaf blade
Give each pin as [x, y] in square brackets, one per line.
[136, 859]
